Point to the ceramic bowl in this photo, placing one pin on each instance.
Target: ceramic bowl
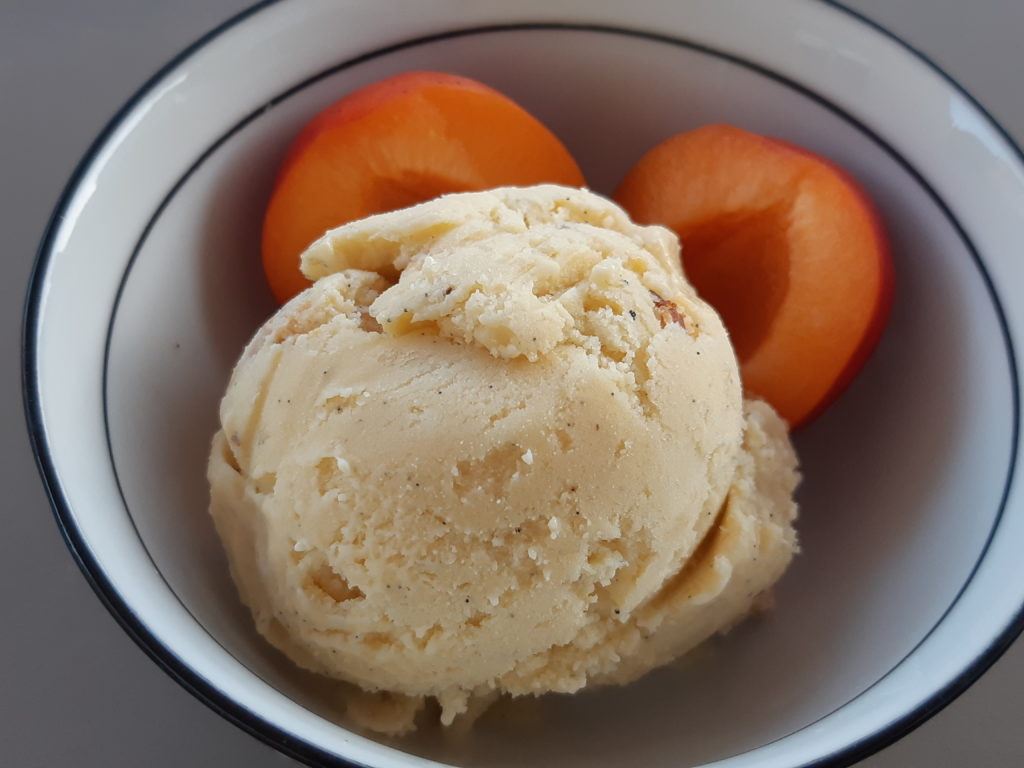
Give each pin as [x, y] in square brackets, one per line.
[910, 582]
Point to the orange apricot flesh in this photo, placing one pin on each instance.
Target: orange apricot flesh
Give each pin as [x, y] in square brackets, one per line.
[397, 142]
[785, 245]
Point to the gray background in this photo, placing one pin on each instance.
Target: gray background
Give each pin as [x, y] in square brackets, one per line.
[74, 690]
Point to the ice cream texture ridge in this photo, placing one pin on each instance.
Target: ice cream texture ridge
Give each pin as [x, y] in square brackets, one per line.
[500, 446]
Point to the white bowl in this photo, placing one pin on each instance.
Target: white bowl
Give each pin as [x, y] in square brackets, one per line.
[911, 581]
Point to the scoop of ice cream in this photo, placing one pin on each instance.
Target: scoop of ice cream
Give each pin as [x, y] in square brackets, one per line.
[499, 446]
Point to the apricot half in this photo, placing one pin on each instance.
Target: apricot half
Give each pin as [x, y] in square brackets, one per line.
[394, 143]
[785, 245]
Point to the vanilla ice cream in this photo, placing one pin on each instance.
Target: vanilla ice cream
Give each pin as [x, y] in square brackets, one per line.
[499, 446]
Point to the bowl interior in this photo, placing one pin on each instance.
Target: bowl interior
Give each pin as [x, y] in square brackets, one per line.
[890, 471]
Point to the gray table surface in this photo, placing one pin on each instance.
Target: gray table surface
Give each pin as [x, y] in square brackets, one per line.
[74, 690]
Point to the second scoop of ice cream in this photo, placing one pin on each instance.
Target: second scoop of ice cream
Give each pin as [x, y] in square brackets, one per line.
[500, 445]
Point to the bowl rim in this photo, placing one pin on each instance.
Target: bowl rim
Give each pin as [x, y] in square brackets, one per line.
[257, 726]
